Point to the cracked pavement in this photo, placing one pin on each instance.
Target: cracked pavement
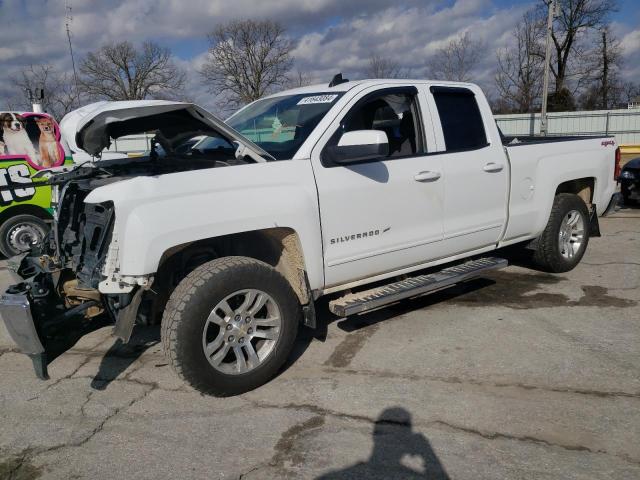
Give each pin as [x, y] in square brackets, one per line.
[517, 375]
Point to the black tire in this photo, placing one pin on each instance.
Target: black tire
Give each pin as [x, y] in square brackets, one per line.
[18, 230]
[626, 195]
[547, 255]
[193, 300]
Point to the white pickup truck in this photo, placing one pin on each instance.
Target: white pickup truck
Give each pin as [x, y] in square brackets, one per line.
[229, 230]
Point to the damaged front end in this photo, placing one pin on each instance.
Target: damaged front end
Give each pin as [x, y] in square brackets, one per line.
[32, 309]
[75, 276]
[56, 287]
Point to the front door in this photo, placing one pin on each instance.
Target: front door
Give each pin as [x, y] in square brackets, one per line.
[383, 214]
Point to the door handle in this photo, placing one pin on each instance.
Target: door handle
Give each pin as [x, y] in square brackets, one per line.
[426, 176]
[493, 167]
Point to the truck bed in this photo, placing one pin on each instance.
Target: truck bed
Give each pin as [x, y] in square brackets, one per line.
[515, 140]
[541, 165]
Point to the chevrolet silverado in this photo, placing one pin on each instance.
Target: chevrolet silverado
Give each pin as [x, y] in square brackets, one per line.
[228, 231]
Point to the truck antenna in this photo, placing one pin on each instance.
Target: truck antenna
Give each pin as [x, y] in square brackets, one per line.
[337, 80]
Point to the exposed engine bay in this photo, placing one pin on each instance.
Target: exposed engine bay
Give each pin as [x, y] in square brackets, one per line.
[73, 275]
[63, 274]
[81, 233]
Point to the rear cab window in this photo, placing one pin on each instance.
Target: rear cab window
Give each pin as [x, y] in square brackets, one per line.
[460, 118]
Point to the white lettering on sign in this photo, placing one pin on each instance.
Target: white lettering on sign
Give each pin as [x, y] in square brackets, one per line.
[317, 99]
[17, 174]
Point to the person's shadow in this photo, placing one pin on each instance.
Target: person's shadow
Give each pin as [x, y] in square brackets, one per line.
[398, 453]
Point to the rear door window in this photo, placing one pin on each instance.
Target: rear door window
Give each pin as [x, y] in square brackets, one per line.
[460, 117]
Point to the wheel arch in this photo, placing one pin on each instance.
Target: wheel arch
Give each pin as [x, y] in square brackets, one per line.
[582, 187]
[279, 247]
[24, 209]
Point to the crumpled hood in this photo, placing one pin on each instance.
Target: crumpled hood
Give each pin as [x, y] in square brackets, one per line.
[91, 128]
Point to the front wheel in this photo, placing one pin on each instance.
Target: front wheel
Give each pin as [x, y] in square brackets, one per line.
[563, 242]
[230, 325]
[21, 232]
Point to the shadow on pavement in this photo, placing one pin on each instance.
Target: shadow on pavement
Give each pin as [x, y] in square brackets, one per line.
[64, 335]
[121, 356]
[356, 322]
[398, 453]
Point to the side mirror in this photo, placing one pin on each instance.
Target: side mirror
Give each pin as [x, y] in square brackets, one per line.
[360, 145]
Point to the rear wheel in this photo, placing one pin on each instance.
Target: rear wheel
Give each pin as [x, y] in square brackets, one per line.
[230, 325]
[18, 234]
[563, 242]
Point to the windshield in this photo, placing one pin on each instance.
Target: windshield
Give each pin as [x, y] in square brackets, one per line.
[281, 124]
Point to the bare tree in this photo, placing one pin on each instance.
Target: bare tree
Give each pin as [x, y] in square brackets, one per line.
[119, 71]
[610, 54]
[60, 94]
[576, 17]
[572, 64]
[247, 59]
[499, 105]
[457, 59]
[630, 92]
[383, 67]
[298, 79]
[13, 103]
[520, 67]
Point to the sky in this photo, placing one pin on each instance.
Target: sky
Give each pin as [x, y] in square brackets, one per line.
[331, 35]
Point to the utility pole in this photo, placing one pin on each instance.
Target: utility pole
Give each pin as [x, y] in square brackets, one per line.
[552, 6]
[67, 22]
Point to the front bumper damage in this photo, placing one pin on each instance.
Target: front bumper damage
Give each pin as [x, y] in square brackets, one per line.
[44, 308]
[30, 307]
[15, 311]
[70, 284]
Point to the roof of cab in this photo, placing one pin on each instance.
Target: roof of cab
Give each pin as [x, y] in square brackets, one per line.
[346, 86]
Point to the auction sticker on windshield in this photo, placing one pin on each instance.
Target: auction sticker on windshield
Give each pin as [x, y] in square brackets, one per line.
[317, 99]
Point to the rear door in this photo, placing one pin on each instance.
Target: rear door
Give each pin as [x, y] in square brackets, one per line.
[474, 167]
[384, 214]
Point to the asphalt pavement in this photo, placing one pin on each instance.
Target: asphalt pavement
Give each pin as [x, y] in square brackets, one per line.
[519, 374]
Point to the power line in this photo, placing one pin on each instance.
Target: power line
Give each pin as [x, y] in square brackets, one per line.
[68, 18]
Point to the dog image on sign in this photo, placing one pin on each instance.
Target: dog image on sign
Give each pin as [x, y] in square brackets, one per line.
[34, 137]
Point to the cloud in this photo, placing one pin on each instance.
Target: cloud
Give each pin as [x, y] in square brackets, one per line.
[195, 90]
[332, 35]
[630, 44]
[409, 36]
[33, 32]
